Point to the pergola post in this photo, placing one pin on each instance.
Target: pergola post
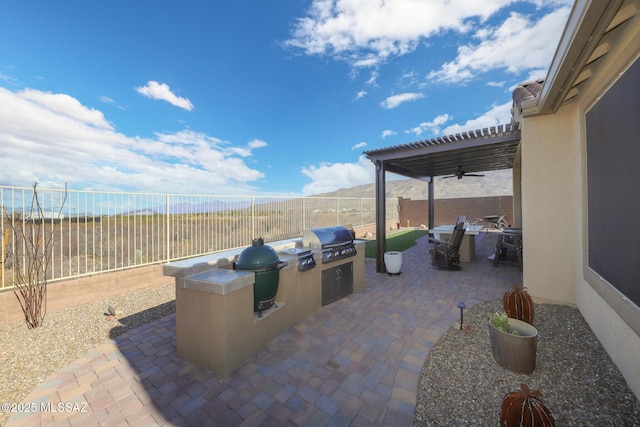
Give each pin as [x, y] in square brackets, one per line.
[381, 217]
[432, 209]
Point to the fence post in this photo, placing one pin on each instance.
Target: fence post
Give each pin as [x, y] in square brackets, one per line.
[166, 228]
[253, 217]
[304, 213]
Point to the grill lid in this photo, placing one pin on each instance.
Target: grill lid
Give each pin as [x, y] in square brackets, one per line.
[258, 256]
[326, 237]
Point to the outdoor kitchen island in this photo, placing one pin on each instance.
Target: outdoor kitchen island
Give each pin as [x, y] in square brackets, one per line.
[216, 326]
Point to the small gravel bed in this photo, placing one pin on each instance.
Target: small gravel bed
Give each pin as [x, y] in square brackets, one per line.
[29, 356]
[461, 384]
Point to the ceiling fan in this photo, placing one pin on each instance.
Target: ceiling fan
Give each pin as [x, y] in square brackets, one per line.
[459, 173]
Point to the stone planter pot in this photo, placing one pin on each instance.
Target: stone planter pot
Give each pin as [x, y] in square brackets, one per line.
[515, 352]
[393, 262]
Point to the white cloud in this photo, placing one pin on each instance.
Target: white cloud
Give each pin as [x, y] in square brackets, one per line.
[518, 44]
[8, 79]
[388, 132]
[359, 145]
[248, 150]
[329, 177]
[497, 115]
[535, 74]
[54, 139]
[361, 94]
[367, 32]
[65, 105]
[373, 78]
[162, 92]
[432, 126]
[395, 100]
[257, 143]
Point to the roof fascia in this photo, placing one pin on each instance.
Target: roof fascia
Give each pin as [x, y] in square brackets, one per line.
[415, 150]
[587, 23]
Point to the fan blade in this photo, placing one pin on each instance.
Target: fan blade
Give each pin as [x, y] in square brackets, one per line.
[473, 174]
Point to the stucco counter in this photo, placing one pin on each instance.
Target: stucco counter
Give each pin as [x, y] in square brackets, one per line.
[216, 327]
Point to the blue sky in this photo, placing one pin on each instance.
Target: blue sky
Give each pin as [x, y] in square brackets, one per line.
[251, 97]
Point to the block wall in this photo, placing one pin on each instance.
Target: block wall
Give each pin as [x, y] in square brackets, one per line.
[70, 293]
[416, 212]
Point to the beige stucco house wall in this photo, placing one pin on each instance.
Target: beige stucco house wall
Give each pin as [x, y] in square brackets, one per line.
[551, 212]
[553, 183]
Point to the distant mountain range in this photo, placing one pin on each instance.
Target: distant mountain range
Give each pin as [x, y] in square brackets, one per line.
[192, 208]
[498, 183]
[495, 183]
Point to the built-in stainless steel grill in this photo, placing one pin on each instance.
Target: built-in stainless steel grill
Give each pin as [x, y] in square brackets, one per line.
[336, 243]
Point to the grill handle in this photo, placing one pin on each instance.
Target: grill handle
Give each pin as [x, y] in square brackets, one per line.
[278, 266]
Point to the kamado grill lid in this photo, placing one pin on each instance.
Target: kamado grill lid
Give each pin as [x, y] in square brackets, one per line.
[258, 256]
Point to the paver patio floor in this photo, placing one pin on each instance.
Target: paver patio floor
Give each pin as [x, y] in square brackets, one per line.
[354, 362]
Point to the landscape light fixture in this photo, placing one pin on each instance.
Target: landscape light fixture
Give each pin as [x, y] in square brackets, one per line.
[461, 306]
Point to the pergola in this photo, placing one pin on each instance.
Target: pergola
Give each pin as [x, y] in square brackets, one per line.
[483, 150]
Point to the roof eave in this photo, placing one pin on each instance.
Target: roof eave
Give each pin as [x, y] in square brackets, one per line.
[587, 23]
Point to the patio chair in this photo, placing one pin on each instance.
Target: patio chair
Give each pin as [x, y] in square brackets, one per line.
[509, 240]
[446, 254]
[498, 221]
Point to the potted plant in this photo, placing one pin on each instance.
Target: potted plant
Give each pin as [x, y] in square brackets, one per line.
[513, 343]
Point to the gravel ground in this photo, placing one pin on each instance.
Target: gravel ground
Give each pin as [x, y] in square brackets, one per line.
[32, 355]
[461, 384]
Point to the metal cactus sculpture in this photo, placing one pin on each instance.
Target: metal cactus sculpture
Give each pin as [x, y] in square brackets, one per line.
[518, 304]
[524, 408]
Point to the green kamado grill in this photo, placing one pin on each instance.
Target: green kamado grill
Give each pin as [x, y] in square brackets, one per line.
[265, 263]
